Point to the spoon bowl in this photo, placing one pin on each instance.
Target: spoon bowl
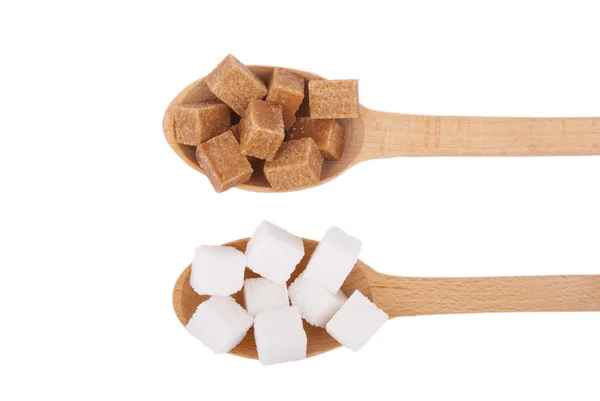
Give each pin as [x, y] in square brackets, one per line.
[413, 296]
[376, 134]
[186, 300]
[198, 92]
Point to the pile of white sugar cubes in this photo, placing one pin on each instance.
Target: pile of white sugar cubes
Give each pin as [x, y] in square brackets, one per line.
[221, 323]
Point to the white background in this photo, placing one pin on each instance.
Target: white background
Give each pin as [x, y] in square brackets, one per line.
[98, 216]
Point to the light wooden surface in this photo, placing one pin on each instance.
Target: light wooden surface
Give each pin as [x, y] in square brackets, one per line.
[381, 135]
[390, 135]
[407, 296]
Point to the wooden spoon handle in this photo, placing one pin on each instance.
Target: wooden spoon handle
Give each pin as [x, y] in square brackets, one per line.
[390, 135]
[401, 296]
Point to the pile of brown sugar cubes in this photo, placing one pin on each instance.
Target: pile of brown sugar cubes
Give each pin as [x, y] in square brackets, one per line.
[293, 149]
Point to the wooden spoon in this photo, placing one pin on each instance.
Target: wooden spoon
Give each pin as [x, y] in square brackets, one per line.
[380, 135]
[404, 296]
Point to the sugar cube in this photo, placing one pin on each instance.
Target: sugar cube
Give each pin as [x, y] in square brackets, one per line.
[356, 321]
[273, 252]
[261, 294]
[255, 162]
[333, 259]
[280, 336]
[217, 270]
[198, 122]
[261, 129]
[220, 323]
[333, 99]
[234, 83]
[235, 129]
[287, 89]
[222, 161]
[297, 165]
[316, 305]
[327, 134]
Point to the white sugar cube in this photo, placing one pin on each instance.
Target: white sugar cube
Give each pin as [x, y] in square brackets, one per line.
[333, 259]
[217, 270]
[280, 336]
[356, 321]
[261, 294]
[315, 303]
[273, 252]
[220, 323]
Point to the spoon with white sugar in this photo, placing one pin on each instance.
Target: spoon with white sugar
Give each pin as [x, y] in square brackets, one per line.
[411, 296]
[376, 135]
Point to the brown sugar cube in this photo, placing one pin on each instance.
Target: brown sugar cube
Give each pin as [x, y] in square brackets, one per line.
[297, 165]
[333, 99]
[234, 83]
[235, 129]
[223, 163]
[236, 133]
[261, 129]
[198, 122]
[327, 134]
[287, 89]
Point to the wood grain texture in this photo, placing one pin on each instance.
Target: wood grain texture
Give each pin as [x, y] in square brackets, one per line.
[404, 296]
[408, 296]
[377, 135]
[390, 135]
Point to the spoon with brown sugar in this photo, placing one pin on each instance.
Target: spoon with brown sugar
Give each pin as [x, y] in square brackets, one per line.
[412, 296]
[376, 134]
